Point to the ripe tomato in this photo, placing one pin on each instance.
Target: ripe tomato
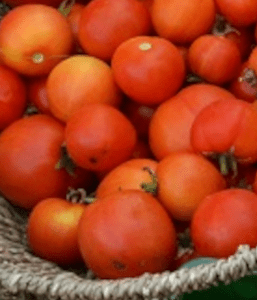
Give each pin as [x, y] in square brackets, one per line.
[99, 137]
[184, 180]
[129, 175]
[182, 22]
[215, 59]
[126, 234]
[52, 230]
[240, 12]
[101, 21]
[227, 126]
[46, 39]
[148, 69]
[29, 150]
[142, 150]
[223, 221]
[78, 80]
[12, 96]
[37, 94]
[170, 125]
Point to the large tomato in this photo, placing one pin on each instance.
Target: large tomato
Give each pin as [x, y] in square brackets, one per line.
[52, 230]
[223, 221]
[29, 151]
[126, 234]
[13, 98]
[34, 38]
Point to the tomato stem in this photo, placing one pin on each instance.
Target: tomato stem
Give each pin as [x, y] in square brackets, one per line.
[150, 187]
[222, 27]
[38, 58]
[66, 162]
[79, 196]
[65, 7]
[249, 76]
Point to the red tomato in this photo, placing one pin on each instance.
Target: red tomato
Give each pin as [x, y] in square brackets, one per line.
[104, 25]
[126, 234]
[29, 151]
[223, 221]
[169, 130]
[78, 80]
[142, 150]
[227, 127]
[239, 12]
[46, 39]
[184, 180]
[37, 94]
[182, 22]
[148, 69]
[52, 230]
[214, 59]
[99, 137]
[12, 96]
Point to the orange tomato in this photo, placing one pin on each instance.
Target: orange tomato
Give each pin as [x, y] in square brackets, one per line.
[34, 38]
[79, 80]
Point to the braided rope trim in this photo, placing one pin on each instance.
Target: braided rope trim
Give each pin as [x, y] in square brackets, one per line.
[22, 273]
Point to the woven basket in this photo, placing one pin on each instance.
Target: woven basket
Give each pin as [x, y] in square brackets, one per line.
[23, 276]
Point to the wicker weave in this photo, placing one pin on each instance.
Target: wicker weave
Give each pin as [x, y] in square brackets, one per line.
[24, 276]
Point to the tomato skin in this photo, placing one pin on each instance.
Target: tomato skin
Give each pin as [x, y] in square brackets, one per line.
[99, 137]
[215, 59]
[128, 175]
[226, 126]
[184, 180]
[99, 28]
[148, 69]
[169, 130]
[29, 150]
[12, 96]
[46, 39]
[240, 12]
[78, 80]
[139, 236]
[52, 230]
[182, 22]
[223, 221]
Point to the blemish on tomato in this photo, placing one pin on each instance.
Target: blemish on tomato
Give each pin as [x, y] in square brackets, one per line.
[118, 265]
[145, 46]
[93, 160]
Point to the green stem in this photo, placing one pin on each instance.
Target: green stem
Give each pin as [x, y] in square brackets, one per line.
[65, 7]
[150, 187]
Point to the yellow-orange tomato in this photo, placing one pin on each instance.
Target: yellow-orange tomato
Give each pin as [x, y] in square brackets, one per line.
[184, 180]
[79, 80]
[34, 38]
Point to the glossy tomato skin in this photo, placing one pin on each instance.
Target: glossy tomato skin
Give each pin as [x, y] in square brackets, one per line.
[46, 39]
[227, 126]
[99, 137]
[29, 151]
[223, 221]
[169, 131]
[126, 234]
[184, 180]
[148, 69]
[101, 21]
[182, 22]
[52, 230]
[13, 96]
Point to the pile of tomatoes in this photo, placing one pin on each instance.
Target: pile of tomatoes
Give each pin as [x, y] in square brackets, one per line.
[145, 128]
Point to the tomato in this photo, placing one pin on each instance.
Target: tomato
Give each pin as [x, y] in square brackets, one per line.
[13, 96]
[184, 180]
[244, 85]
[78, 80]
[148, 69]
[37, 94]
[227, 127]
[99, 137]
[101, 21]
[131, 174]
[215, 59]
[223, 221]
[240, 12]
[182, 22]
[52, 230]
[170, 125]
[29, 151]
[46, 39]
[139, 236]
[142, 150]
